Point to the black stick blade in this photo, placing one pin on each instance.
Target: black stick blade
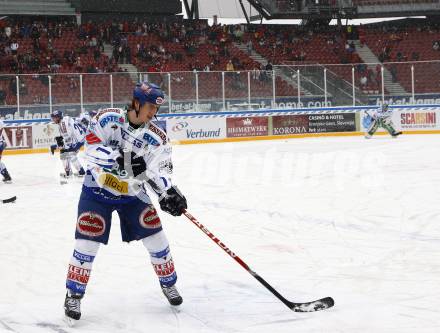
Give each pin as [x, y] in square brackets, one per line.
[318, 305]
[9, 200]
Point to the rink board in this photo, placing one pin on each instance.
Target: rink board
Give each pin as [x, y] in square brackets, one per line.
[35, 136]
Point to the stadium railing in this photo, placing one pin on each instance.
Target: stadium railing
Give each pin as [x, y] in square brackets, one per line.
[286, 86]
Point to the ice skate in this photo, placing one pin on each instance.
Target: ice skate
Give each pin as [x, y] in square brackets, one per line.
[172, 295]
[72, 308]
[65, 176]
[80, 173]
[6, 176]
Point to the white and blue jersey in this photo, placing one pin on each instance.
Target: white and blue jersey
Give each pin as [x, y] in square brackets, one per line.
[73, 133]
[2, 141]
[108, 135]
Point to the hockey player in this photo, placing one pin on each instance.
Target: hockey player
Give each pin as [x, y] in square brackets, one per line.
[126, 153]
[69, 142]
[380, 118]
[85, 117]
[3, 171]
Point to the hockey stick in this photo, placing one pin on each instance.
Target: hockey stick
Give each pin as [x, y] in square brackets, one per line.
[320, 304]
[9, 200]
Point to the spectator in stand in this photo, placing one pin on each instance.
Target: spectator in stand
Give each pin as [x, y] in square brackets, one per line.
[7, 50]
[436, 45]
[2, 97]
[14, 47]
[256, 73]
[393, 71]
[78, 64]
[363, 81]
[415, 56]
[13, 86]
[8, 31]
[269, 67]
[249, 47]
[238, 33]
[35, 33]
[263, 73]
[96, 54]
[400, 56]
[127, 54]
[230, 66]
[23, 88]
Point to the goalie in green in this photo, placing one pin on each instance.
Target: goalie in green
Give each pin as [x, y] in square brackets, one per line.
[380, 118]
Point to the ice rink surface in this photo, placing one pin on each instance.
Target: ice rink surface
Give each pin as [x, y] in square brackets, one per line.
[355, 219]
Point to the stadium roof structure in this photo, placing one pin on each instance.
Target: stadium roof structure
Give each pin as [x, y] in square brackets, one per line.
[254, 10]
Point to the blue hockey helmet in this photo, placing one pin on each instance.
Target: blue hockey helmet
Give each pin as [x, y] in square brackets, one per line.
[93, 113]
[57, 114]
[146, 92]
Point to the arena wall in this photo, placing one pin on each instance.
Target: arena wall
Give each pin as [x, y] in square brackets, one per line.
[35, 136]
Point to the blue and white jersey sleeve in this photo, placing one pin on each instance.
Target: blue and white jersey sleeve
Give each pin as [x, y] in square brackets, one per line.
[158, 160]
[103, 138]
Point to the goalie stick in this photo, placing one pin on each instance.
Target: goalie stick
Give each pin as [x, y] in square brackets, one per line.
[9, 200]
[320, 304]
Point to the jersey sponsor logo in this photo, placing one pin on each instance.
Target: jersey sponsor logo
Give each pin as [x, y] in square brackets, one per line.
[129, 138]
[151, 141]
[164, 269]
[149, 218]
[90, 224]
[156, 130]
[110, 181]
[112, 119]
[92, 138]
[78, 274]
[82, 258]
[103, 112]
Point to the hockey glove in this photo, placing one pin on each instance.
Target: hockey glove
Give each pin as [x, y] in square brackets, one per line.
[53, 148]
[60, 141]
[173, 202]
[66, 150]
[74, 148]
[135, 163]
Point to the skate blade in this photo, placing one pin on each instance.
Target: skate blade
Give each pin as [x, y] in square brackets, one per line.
[7, 182]
[69, 321]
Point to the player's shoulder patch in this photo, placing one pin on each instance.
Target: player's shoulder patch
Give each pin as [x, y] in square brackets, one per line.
[110, 116]
[102, 112]
[158, 131]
